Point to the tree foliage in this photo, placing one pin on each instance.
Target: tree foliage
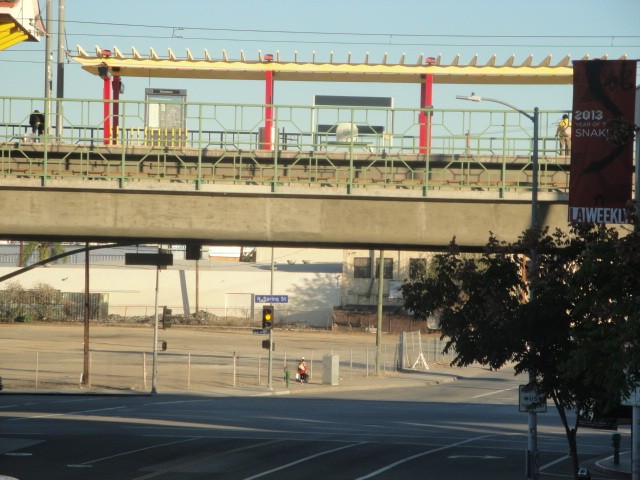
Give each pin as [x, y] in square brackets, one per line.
[562, 307]
[44, 250]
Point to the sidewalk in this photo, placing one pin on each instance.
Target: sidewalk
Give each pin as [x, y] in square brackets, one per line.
[622, 470]
[407, 378]
[436, 374]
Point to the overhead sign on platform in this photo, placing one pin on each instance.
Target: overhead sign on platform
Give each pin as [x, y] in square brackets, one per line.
[155, 259]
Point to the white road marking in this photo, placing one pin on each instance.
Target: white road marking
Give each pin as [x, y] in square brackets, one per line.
[282, 467]
[418, 455]
[52, 415]
[78, 400]
[173, 402]
[561, 459]
[493, 393]
[89, 462]
[483, 457]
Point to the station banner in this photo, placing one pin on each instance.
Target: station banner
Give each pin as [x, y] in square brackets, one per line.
[601, 169]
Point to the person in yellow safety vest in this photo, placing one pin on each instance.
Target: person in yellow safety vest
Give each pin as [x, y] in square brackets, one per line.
[563, 133]
[302, 375]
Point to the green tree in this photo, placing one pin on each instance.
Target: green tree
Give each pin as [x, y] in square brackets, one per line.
[575, 335]
[44, 250]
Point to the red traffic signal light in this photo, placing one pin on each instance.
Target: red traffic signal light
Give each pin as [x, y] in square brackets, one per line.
[267, 316]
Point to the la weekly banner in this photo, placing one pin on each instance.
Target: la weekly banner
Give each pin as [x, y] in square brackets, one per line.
[601, 171]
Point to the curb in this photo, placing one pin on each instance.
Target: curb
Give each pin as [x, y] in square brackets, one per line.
[88, 393]
[619, 471]
[366, 383]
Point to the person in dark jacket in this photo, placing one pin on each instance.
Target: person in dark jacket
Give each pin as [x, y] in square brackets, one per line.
[36, 121]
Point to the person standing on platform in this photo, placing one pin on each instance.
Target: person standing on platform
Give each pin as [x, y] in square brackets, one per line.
[36, 122]
[563, 133]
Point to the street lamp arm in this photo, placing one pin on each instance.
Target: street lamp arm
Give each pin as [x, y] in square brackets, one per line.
[477, 98]
[507, 104]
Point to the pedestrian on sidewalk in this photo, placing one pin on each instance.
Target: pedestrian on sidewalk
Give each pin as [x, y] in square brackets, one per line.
[302, 376]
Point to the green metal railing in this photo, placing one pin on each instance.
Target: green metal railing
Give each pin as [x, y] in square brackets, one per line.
[225, 143]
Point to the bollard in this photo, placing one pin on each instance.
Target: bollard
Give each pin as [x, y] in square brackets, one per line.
[188, 371]
[287, 378]
[235, 367]
[615, 442]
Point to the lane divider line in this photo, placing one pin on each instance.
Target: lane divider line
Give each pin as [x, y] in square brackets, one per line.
[418, 455]
[282, 467]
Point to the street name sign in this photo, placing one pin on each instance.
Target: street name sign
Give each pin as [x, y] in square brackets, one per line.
[272, 299]
[259, 331]
[531, 401]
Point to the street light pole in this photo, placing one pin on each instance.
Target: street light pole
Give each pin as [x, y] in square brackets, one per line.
[533, 465]
[270, 367]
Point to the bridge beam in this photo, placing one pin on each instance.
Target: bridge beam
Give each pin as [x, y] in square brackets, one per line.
[224, 218]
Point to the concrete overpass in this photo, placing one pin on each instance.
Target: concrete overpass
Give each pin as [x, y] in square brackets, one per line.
[226, 186]
[372, 218]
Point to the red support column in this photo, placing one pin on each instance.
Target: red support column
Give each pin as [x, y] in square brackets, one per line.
[267, 138]
[424, 119]
[116, 109]
[106, 96]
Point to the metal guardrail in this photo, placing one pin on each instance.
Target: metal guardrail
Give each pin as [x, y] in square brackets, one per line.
[224, 143]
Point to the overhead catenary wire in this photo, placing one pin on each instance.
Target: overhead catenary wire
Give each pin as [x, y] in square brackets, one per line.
[384, 38]
[361, 34]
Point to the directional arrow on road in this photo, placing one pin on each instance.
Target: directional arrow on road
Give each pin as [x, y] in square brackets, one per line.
[484, 457]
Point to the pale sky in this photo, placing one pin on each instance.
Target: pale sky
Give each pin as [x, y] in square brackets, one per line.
[412, 27]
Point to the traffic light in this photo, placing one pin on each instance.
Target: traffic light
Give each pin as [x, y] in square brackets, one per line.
[166, 318]
[267, 316]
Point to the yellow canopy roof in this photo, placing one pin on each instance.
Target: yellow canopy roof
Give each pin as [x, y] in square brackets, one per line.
[20, 20]
[152, 65]
[10, 34]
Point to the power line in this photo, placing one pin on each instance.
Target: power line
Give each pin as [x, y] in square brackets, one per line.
[341, 42]
[356, 34]
[383, 39]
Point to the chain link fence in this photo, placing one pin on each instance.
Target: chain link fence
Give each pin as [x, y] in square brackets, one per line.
[23, 306]
[196, 359]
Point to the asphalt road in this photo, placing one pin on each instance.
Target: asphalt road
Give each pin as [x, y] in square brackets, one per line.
[467, 429]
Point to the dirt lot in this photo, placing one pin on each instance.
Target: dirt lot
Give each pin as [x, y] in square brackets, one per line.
[50, 356]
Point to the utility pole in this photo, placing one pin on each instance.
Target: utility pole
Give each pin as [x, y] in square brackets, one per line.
[48, 83]
[379, 324]
[86, 373]
[270, 372]
[60, 70]
[154, 368]
[533, 467]
[197, 288]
